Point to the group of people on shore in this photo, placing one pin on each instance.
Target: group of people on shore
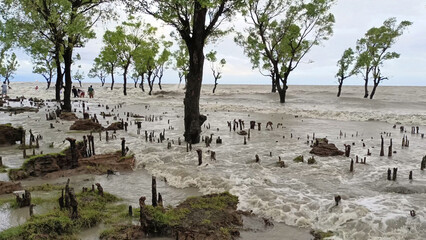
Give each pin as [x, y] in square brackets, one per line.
[78, 93]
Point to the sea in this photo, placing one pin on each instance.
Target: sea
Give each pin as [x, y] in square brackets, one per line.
[299, 195]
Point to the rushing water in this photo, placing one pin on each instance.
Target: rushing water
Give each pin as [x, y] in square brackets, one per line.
[300, 195]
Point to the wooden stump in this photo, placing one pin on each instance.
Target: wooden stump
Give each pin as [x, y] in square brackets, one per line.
[154, 191]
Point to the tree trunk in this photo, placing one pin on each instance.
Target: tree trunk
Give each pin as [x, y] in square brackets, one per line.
[274, 85]
[125, 80]
[68, 80]
[150, 82]
[112, 79]
[142, 80]
[282, 90]
[103, 82]
[159, 83]
[215, 85]
[374, 90]
[193, 119]
[58, 75]
[340, 88]
[48, 84]
[366, 88]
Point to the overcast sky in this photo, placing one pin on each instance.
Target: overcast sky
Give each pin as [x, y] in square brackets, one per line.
[353, 19]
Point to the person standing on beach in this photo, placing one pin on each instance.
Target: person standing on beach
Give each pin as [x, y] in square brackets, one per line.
[74, 91]
[91, 91]
[4, 89]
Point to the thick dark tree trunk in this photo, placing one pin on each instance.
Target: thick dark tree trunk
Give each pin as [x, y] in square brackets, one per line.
[193, 119]
[366, 89]
[103, 83]
[282, 90]
[374, 90]
[59, 76]
[339, 88]
[150, 82]
[68, 80]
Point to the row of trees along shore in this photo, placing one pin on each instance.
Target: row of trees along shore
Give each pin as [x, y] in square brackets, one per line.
[279, 35]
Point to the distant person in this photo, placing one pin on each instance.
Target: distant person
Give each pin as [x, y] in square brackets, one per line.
[4, 89]
[36, 88]
[91, 91]
[74, 91]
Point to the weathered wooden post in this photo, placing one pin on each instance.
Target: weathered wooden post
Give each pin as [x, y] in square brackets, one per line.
[252, 124]
[100, 189]
[154, 191]
[169, 145]
[1, 162]
[351, 169]
[259, 126]
[213, 155]
[130, 211]
[389, 174]
[123, 147]
[32, 210]
[187, 147]
[423, 164]
[73, 149]
[395, 170]
[160, 200]
[347, 150]
[73, 204]
[245, 140]
[200, 156]
[257, 158]
[382, 149]
[337, 199]
[92, 143]
[218, 140]
[390, 149]
[410, 177]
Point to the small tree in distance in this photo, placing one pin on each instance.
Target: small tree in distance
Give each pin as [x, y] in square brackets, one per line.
[216, 67]
[344, 63]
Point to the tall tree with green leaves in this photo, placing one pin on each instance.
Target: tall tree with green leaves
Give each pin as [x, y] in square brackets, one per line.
[216, 67]
[374, 49]
[66, 24]
[196, 21]
[344, 64]
[108, 58]
[282, 33]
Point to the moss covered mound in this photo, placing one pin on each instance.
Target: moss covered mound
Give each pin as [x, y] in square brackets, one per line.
[9, 135]
[57, 224]
[207, 217]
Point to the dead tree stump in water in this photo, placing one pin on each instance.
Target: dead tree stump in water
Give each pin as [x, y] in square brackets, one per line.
[252, 124]
[257, 158]
[423, 164]
[410, 177]
[143, 214]
[245, 140]
[390, 149]
[160, 200]
[130, 211]
[337, 199]
[25, 200]
[200, 156]
[213, 155]
[351, 169]
[73, 204]
[389, 174]
[73, 149]
[259, 126]
[123, 147]
[100, 189]
[347, 150]
[154, 191]
[61, 200]
[382, 149]
[395, 170]
[218, 140]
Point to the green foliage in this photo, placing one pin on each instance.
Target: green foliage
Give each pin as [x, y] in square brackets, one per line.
[374, 48]
[8, 65]
[170, 217]
[283, 32]
[216, 202]
[12, 233]
[344, 64]
[45, 188]
[57, 224]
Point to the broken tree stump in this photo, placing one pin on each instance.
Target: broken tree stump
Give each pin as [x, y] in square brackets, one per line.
[100, 189]
[200, 156]
[154, 191]
[382, 149]
[24, 200]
